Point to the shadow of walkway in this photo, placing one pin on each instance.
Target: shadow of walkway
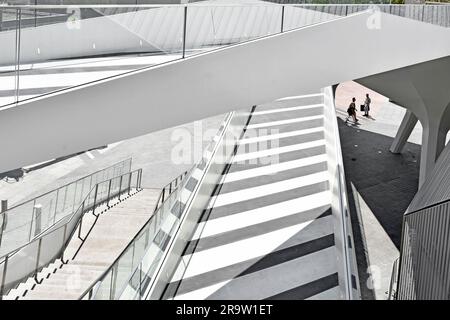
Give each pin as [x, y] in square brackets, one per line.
[386, 182]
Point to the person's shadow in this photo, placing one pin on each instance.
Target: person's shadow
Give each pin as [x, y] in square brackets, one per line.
[368, 117]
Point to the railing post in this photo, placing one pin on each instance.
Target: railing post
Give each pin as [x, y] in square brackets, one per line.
[81, 222]
[37, 220]
[163, 194]
[120, 186]
[95, 199]
[18, 30]
[2, 285]
[184, 31]
[113, 282]
[129, 183]
[32, 220]
[35, 14]
[109, 193]
[65, 198]
[138, 181]
[74, 196]
[282, 19]
[56, 205]
[63, 242]
[423, 13]
[140, 281]
[38, 256]
[4, 215]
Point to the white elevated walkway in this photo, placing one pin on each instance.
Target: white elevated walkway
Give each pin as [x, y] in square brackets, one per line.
[269, 233]
[110, 235]
[215, 82]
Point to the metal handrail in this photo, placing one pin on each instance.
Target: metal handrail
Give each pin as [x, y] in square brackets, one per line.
[125, 166]
[392, 286]
[105, 273]
[177, 180]
[5, 258]
[209, 4]
[43, 233]
[68, 184]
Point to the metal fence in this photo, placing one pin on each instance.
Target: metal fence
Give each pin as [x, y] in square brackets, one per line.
[25, 221]
[29, 259]
[425, 254]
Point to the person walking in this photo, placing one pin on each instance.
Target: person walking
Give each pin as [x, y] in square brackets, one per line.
[351, 111]
[367, 105]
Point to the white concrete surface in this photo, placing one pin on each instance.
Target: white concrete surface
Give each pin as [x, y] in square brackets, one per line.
[206, 87]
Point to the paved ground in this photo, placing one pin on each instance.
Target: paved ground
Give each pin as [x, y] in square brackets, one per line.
[381, 184]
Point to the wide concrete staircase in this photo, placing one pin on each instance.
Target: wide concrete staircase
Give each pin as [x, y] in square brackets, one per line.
[268, 233]
[105, 238]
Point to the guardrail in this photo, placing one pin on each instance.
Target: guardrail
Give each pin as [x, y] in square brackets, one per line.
[113, 282]
[424, 254]
[25, 221]
[169, 188]
[108, 31]
[29, 259]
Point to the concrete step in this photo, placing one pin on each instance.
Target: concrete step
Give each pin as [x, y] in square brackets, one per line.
[110, 235]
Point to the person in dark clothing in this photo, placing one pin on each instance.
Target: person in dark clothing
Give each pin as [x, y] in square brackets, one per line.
[352, 111]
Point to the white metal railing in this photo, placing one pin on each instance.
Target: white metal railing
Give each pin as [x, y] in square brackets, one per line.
[340, 206]
[27, 260]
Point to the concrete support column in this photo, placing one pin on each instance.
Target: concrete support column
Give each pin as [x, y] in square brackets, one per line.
[433, 142]
[404, 131]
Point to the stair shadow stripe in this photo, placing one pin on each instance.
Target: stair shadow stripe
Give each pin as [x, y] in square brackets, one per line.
[308, 290]
[255, 230]
[252, 265]
[267, 200]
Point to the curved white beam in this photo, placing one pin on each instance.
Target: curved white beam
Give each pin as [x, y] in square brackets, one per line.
[212, 83]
